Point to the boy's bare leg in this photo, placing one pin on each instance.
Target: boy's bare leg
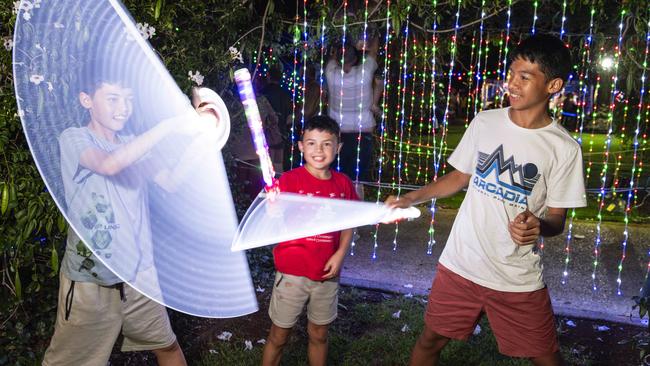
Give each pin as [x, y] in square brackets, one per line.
[427, 348]
[317, 349]
[551, 360]
[275, 343]
[170, 356]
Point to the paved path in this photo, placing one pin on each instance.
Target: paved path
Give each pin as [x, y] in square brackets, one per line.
[408, 264]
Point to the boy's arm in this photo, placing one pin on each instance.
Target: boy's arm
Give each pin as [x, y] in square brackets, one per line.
[445, 186]
[171, 179]
[111, 163]
[335, 263]
[526, 228]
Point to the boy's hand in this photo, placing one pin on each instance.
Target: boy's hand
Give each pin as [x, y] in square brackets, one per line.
[525, 228]
[398, 202]
[333, 266]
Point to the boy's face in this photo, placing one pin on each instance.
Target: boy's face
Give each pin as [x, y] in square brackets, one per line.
[527, 85]
[110, 106]
[319, 148]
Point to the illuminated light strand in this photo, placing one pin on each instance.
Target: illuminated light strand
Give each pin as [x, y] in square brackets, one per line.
[619, 156]
[584, 89]
[343, 42]
[563, 20]
[294, 91]
[603, 174]
[505, 48]
[478, 75]
[402, 114]
[433, 122]
[321, 80]
[305, 39]
[423, 111]
[361, 108]
[471, 78]
[434, 125]
[363, 74]
[532, 28]
[635, 143]
[409, 124]
[445, 122]
[382, 126]
[584, 75]
[482, 74]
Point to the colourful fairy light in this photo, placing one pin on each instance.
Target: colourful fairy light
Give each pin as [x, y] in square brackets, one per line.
[343, 42]
[294, 91]
[608, 141]
[505, 45]
[635, 145]
[382, 126]
[532, 28]
[402, 114]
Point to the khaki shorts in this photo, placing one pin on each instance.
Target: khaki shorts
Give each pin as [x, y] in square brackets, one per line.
[97, 317]
[291, 293]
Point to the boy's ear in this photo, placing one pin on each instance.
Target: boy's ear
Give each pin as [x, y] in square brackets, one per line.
[300, 147]
[85, 100]
[555, 85]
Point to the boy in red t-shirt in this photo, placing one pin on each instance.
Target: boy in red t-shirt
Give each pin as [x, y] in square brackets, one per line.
[308, 268]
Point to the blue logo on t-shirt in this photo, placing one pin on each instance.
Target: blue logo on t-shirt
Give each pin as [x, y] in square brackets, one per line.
[511, 182]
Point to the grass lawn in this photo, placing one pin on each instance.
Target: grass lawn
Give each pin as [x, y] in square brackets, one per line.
[367, 332]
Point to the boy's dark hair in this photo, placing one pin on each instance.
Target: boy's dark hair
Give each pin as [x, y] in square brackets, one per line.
[96, 72]
[549, 52]
[322, 123]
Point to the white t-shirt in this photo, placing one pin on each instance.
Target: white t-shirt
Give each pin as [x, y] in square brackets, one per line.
[356, 97]
[512, 168]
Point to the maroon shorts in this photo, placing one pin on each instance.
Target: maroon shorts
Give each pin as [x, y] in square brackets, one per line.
[522, 322]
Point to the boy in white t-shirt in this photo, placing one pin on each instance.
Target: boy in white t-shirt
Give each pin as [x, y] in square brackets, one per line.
[522, 171]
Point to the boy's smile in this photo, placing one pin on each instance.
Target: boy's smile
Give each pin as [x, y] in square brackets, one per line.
[110, 108]
[319, 149]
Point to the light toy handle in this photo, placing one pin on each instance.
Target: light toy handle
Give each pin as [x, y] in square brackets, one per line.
[247, 96]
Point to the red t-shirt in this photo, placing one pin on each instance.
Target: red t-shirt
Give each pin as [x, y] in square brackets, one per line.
[307, 256]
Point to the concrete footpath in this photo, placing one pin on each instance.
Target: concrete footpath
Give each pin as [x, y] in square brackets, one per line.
[407, 268]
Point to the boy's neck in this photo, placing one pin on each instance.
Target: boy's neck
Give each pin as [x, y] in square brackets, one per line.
[530, 118]
[102, 132]
[322, 174]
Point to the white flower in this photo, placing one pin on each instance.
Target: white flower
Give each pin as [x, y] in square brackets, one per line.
[409, 295]
[37, 3]
[26, 7]
[235, 55]
[408, 285]
[248, 345]
[146, 31]
[224, 336]
[9, 44]
[477, 330]
[196, 77]
[259, 289]
[405, 328]
[261, 341]
[36, 79]
[397, 314]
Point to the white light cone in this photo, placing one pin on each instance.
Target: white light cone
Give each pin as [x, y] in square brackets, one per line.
[291, 216]
[174, 247]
